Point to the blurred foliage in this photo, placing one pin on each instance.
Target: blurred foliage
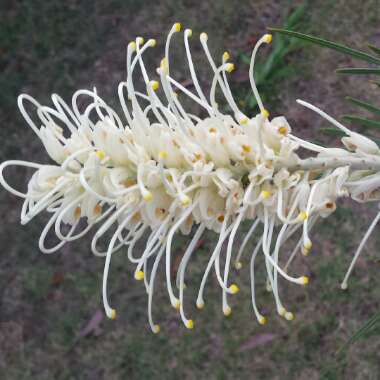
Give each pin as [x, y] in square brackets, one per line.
[356, 54]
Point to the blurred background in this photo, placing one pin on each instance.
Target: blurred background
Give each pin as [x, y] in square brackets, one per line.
[51, 318]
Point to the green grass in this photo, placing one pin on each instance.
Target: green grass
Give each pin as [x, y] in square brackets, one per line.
[61, 46]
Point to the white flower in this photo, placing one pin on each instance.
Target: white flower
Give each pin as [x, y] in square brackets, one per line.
[360, 144]
[159, 170]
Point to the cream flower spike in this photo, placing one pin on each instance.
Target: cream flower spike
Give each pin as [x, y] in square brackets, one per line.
[157, 171]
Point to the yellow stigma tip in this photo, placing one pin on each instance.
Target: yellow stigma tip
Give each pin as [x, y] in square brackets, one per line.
[244, 120]
[164, 64]
[139, 40]
[112, 314]
[148, 196]
[132, 45]
[155, 85]
[282, 131]
[185, 200]
[226, 56]
[268, 38]
[152, 42]
[100, 154]
[289, 316]
[227, 311]
[234, 288]
[200, 305]
[263, 320]
[139, 275]
[238, 265]
[230, 67]
[246, 148]
[189, 32]
[307, 245]
[156, 329]
[189, 324]
[177, 27]
[305, 280]
[265, 194]
[163, 154]
[282, 311]
[303, 215]
[265, 113]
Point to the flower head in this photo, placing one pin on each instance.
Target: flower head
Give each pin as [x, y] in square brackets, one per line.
[158, 170]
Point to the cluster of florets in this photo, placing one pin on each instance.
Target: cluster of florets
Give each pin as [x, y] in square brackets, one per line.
[163, 170]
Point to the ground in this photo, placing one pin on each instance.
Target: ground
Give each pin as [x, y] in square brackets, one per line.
[51, 320]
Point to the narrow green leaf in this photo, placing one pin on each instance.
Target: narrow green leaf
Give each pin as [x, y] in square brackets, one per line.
[329, 44]
[333, 131]
[362, 121]
[369, 107]
[318, 142]
[374, 48]
[358, 71]
[368, 326]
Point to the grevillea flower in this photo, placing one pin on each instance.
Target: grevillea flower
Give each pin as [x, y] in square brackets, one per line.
[158, 171]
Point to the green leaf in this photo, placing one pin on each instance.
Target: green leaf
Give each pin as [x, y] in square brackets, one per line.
[329, 44]
[296, 16]
[367, 327]
[252, 102]
[374, 48]
[245, 58]
[358, 71]
[369, 107]
[333, 131]
[362, 121]
[283, 73]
